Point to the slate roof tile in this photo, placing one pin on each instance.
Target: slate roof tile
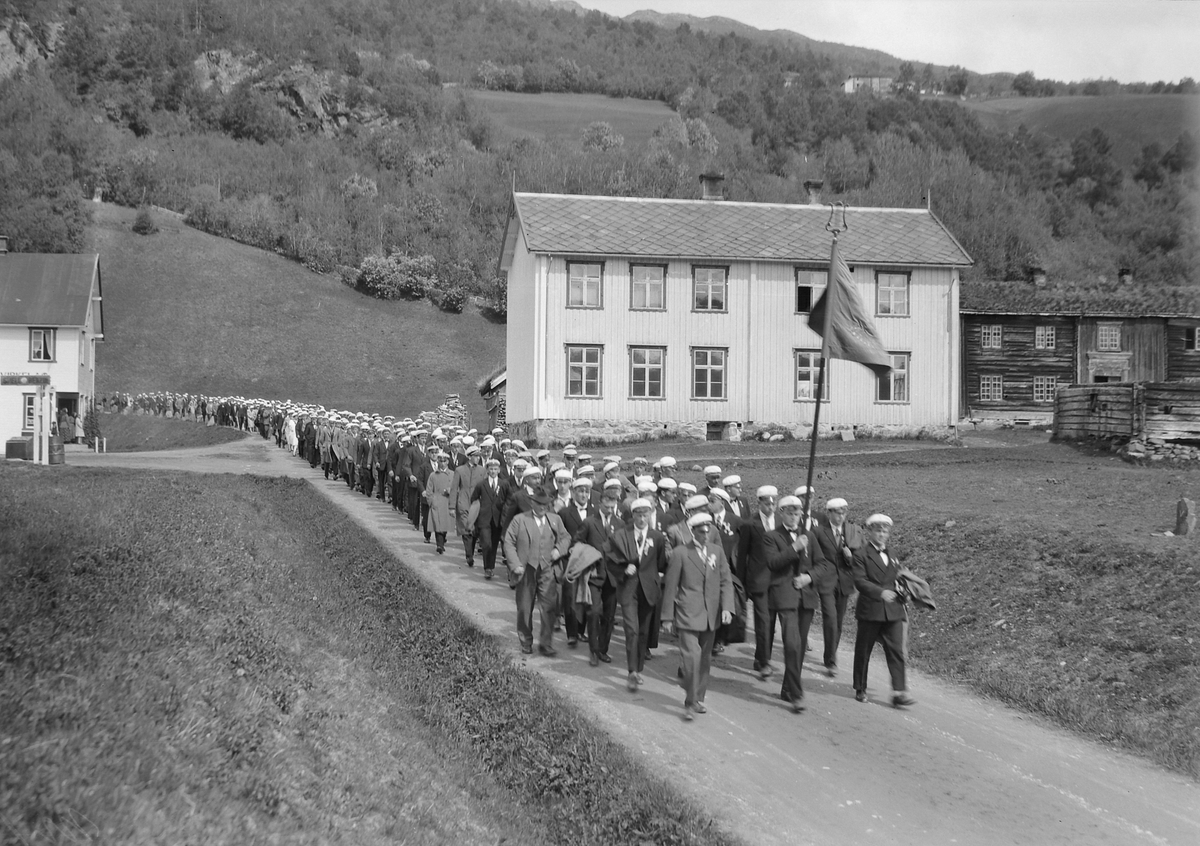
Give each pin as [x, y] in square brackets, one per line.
[46, 289]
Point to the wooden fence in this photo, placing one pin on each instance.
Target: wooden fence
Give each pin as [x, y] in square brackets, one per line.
[1164, 411]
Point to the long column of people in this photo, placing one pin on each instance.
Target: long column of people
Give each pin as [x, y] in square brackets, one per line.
[581, 536]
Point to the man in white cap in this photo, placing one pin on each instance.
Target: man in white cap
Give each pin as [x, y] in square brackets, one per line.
[638, 556]
[574, 513]
[491, 494]
[797, 566]
[712, 479]
[738, 503]
[838, 539]
[697, 598]
[466, 479]
[756, 575]
[666, 468]
[880, 611]
[598, 531]
[639, 468]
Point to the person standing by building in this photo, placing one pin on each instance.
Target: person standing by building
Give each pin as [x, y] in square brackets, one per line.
[697, 598]
[880, 612]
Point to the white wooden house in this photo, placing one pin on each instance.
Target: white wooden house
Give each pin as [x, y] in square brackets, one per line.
[50, 320]
[629, 315]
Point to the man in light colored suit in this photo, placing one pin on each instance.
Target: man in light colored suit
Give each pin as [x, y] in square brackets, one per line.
[535, 549]
[638, 555]
[697, 597]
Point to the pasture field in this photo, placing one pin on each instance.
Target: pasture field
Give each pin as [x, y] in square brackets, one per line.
[562, 117]
[190, 312]
[1131, 121]
[138, 432]
[223, 659]
[1057, 591]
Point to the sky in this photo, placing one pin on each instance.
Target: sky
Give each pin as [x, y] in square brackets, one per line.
[1067, 40]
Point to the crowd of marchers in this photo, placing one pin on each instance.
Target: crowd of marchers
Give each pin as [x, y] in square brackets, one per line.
[581, 537]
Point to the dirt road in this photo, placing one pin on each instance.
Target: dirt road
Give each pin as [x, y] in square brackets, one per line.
[953, 769]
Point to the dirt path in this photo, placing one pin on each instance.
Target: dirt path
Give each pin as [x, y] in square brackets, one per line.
[953, 769]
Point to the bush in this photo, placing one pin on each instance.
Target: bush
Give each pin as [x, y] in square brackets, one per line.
[452, 298]
[91, 427]
[143, 224]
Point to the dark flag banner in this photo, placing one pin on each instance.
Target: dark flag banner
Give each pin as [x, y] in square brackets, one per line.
[841, 320]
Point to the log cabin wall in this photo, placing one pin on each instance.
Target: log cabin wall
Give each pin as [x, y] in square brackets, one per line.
[1172, 411]
[1097, 411]
[1122, 349]
[1183, 357]
[1017, 362]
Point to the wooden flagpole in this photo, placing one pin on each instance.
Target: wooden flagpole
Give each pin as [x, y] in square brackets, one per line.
[830, 287]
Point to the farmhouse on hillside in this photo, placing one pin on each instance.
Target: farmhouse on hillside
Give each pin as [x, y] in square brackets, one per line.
[873, 84]
[1020, 345]
[50, 320]
[631, 317]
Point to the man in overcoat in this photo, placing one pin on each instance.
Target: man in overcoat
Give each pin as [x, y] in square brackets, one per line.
[535, 548]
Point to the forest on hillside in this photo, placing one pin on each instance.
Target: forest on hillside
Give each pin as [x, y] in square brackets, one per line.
[332, 138]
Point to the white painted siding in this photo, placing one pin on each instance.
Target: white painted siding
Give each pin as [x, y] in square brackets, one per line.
[66, 375]
[523, 335]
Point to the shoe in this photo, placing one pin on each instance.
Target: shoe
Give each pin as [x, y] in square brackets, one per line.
[647, 656]
[528, 650]
[902, 699]
[631, 683]
[487, 574]
[699, 708]
[797, 704]
[639, 678]
[860, 696]
[831, 670]
[604, 657]
[765, 672]
[427, 540]
[594, 660]
[441, 552]
[548, 651]
[688, 716]
[718, 648]
[571, 641]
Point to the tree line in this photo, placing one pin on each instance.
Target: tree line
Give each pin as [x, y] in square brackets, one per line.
[422, 188]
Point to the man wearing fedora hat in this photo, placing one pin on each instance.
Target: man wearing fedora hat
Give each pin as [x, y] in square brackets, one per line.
[535, 548]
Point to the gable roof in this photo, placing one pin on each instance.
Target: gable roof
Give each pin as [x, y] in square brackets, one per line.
[48, 289]
[989, 296]
[724, 230]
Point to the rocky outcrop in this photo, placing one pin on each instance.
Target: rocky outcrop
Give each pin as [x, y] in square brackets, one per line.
[225, 70]
[20, 46]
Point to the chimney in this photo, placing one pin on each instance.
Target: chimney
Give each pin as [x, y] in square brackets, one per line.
[3, 244]
[1125, 276]
[1038, 277]
[710, 184]
[813, 188]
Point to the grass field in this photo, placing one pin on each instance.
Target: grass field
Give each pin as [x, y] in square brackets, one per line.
[1131, 121]
[562, 117]
[189, 312]
[221, 659]
[139, 432]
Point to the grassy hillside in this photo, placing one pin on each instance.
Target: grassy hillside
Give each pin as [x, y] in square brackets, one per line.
[187, 311]
[562, 117]
[1131, 121]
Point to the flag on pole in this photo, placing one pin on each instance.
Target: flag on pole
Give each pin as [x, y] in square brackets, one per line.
[841, 320]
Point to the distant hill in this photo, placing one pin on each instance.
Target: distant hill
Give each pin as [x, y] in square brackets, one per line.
[186, 311]
[1131, 121]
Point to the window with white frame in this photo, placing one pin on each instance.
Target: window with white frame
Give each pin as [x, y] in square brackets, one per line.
[649, 286]
[708, 373]
[991, 336]
[1045, 337]
[1108, 337]
[991, 388]
[28, 411]
[1044, 388]
[646, 372]
[808, 368]
[584, 284]
[42, 343]
[809, 286]
[891, 294]
[709, 288]
[893, 385]
[583, 370]
[1189, 338]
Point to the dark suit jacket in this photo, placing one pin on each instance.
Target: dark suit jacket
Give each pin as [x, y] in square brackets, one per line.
[752, 554]
[872, 578]
[571, 519]
[785, 563]
[592, 533]
[838, 555]
[730, 537]
[518, 502]
[651, 564]
[491, 506]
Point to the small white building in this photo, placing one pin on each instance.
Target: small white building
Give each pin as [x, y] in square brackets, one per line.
[630, 317]
[874, 84]
[50, 320]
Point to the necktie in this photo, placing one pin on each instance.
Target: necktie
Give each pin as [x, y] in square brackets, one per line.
[641, 543]
[495, 489]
